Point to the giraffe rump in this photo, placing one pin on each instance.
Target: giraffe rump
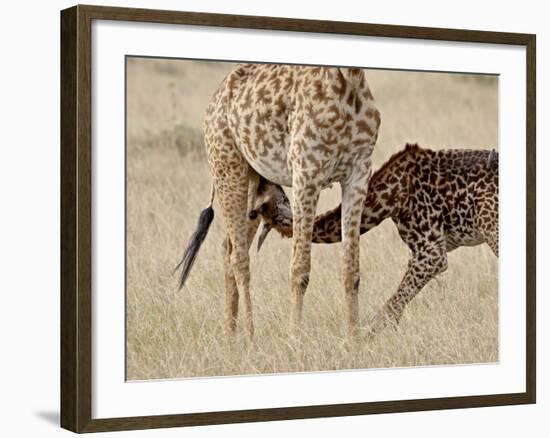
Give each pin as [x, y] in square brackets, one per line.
[190, 254]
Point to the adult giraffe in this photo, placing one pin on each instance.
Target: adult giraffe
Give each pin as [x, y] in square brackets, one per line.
[298, 126]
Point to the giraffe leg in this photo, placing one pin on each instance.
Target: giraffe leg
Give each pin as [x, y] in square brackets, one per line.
[231, 183]
[231, 290]
[305, 197]
[353, 198]
[426, 262]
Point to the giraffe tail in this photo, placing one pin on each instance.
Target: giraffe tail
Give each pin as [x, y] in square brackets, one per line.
[190, 254]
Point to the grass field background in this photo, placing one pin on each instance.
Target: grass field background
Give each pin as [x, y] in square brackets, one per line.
[172, 333]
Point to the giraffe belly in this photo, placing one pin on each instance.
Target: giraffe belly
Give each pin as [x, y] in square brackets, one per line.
[276, 172]
[268, 155]
[281, 173]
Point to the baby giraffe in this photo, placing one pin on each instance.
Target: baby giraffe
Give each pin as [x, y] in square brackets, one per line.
[439, 200]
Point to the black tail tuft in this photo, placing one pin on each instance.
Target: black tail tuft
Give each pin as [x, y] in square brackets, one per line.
[205, 219]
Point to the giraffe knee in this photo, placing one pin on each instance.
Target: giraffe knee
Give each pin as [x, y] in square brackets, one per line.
[354, 289]
[226, 245]
[351, 282]
[395, 306]
[300, 282]
[304, 281]
[240, 266]
[299, 279]
[435, 267]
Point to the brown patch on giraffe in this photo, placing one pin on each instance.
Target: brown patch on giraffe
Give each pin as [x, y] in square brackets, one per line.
[351, 98]
[339, 88]
[358, 105]
[308, 133]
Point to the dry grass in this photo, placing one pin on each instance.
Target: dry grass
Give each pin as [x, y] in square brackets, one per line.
[454, 320]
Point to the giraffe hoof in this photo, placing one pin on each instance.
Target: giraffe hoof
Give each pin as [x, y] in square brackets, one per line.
[380, 321]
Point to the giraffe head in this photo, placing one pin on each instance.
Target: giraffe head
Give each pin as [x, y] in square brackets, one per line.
[274, 208]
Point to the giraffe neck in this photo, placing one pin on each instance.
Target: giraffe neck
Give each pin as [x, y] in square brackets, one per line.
[388, 189]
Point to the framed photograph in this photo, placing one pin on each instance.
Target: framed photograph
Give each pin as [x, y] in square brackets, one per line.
[269, 219]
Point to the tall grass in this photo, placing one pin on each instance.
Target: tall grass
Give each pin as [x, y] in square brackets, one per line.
[172, 333]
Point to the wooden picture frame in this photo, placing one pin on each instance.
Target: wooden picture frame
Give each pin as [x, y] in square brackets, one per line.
[76, 218]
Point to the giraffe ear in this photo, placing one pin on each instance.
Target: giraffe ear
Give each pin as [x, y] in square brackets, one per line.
[265, 231]
[262, 185]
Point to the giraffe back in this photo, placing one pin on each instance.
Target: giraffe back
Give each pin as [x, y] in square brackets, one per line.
[455, 189]
[281, 117]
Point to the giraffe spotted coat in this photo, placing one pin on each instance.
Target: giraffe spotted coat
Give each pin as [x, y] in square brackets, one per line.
[298, 126]
[439, 201]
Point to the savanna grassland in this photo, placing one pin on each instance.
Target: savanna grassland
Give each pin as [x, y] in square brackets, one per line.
[172, 333]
